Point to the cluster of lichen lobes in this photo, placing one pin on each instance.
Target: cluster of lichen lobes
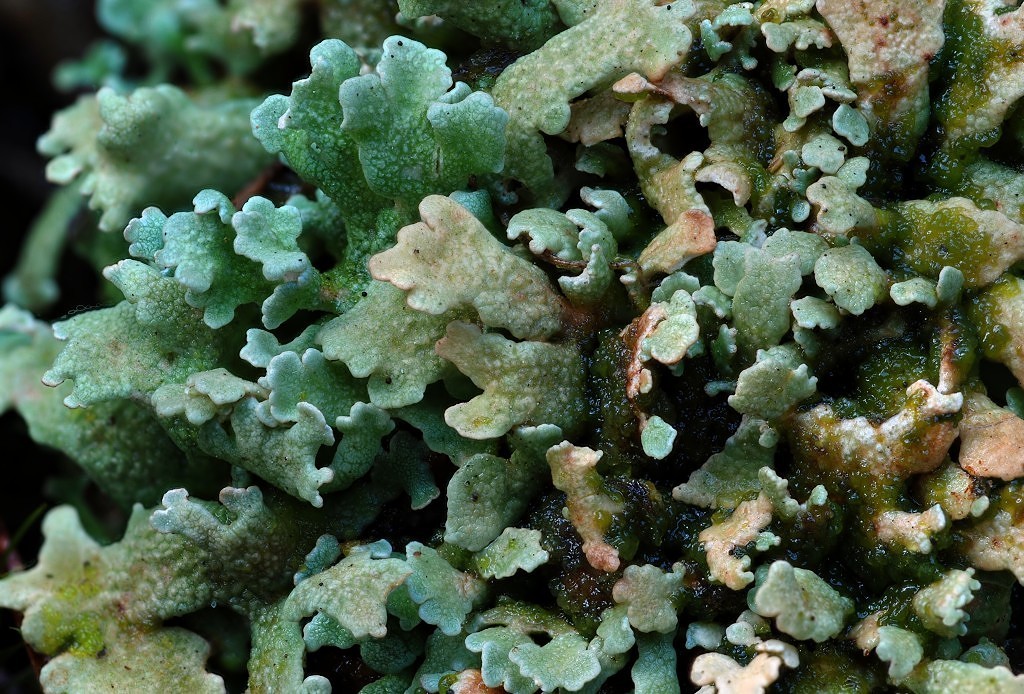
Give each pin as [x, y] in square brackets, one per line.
[561, 345]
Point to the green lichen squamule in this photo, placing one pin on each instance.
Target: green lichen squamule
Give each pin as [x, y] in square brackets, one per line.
[559, 345]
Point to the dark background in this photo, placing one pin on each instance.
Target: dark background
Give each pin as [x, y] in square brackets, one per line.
[35, 35]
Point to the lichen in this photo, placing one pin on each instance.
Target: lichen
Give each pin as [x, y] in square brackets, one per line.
[555, 345]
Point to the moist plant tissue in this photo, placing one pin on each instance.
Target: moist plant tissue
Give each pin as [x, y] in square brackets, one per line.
[533, 345]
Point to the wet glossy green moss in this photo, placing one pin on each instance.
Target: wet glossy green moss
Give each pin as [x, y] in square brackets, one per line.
[957, 338]
[644, 518]
[895, 606]
[883, 374]
[704, 422]
[482, 69]
[832, 668]
[881, 565]
[926, 243]
[810, 537]
[992, 607]
[985, 311]
[896, 140]
[967, 58]
[615, 430]
[582, 592]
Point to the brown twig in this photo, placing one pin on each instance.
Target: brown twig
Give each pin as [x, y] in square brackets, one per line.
[257, 185]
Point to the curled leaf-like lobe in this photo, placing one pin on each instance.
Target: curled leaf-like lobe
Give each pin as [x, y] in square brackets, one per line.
[450, 260]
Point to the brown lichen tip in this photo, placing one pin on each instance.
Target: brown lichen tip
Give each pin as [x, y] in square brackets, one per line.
[573, 471]
[688, 237]
[722, 539]
[991, 440]
[472, 682]
[639, 379]
[729, 677]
